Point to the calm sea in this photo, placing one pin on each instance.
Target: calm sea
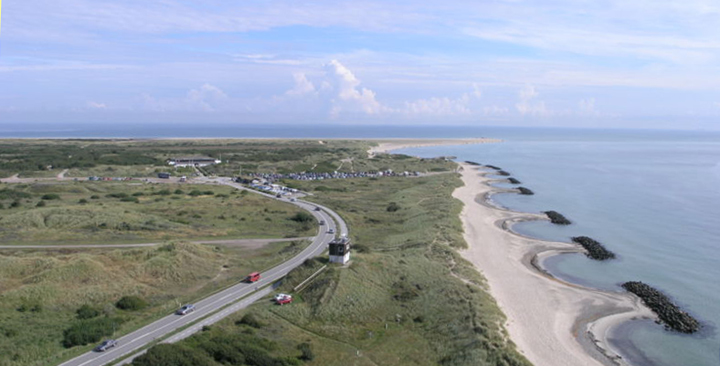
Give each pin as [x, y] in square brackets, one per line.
[651, 197]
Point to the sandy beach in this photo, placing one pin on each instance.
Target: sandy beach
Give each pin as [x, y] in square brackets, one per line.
[395, 144]
[552, 322]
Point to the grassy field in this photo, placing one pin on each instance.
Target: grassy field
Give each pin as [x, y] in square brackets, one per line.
[41, 290]
[141, 158]
[124, 212]
[407, 298]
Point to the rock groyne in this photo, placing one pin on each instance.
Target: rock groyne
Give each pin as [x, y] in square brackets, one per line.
[525, 191]
[595, 250]
[557, 218]
[513, 180]
[669, 313]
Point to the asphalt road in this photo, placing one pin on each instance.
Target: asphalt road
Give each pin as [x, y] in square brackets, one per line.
[131, 343]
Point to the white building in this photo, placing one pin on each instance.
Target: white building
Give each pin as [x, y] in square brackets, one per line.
[193, 161]
[340, 250]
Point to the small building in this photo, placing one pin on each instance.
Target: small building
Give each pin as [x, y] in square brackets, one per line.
[193, 161]
[340, 250]
[164, 175]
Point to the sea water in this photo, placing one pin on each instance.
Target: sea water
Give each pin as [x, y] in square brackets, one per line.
[653, 198]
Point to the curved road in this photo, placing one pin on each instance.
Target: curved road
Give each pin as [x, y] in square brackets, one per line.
[213, 307]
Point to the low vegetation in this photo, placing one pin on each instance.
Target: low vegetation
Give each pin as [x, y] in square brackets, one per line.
[408, 298]
[118, 212]
[52, 300]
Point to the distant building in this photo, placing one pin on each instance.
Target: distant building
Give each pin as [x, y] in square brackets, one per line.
[193, 161]
[340, 250]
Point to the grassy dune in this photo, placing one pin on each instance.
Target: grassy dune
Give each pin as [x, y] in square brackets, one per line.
[59, 282]
[115, 212]
[407, 298]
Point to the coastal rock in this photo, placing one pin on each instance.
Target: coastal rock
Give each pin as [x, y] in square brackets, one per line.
[595, 250]
[513, 180]
[557, 218]
[492, 167]
[472, 163]
[669, 313]
[503, 173]
[525, 191]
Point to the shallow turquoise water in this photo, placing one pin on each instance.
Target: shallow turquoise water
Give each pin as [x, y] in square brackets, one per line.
[653, 199]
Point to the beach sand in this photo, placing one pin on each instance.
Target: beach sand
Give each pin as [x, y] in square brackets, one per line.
[394, 144]
[552, 322]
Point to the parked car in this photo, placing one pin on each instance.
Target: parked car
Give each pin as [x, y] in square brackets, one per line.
[317, 209]
[185, 309]
[282, 299]
[106, 345]
[322, 222]
[331, 231]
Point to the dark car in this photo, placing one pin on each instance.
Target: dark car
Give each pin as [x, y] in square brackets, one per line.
[317, 208]
[106, 345]
[185, 309]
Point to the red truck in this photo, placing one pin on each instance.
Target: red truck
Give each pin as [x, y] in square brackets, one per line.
[253, 277]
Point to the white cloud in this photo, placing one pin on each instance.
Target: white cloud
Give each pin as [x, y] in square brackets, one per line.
[347, 94]
[96, 105]
[302, 85]
[207, 98]
[528, 105]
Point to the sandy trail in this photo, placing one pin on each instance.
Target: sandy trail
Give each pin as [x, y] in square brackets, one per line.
[553, 323]
[385, 146]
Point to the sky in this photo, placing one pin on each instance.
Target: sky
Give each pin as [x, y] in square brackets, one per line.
[564, 63]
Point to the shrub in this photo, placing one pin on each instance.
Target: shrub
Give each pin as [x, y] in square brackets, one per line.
[173, 355]
[138, 194]
[195, 192]
[129, 199]
[302, 217]
[131, 303]
[82, 201]
[117, 195]
[251, 320]
[307, 353]
[89, 331]
[50, 196]
[87, 312]
[179, 191]
[15, 204]
[94, 197]
[41, 204]
[209, 193]
[163, 192]
[393, 206]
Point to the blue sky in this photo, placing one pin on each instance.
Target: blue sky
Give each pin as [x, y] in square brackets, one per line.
[575, 63]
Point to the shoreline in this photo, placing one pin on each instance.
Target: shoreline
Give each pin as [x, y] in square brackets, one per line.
[551, 321]
[387, 145]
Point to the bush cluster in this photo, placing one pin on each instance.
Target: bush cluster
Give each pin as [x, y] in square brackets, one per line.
[131, 303]
[89, 331]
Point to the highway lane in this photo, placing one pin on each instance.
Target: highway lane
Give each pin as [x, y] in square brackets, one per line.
[132, 342]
